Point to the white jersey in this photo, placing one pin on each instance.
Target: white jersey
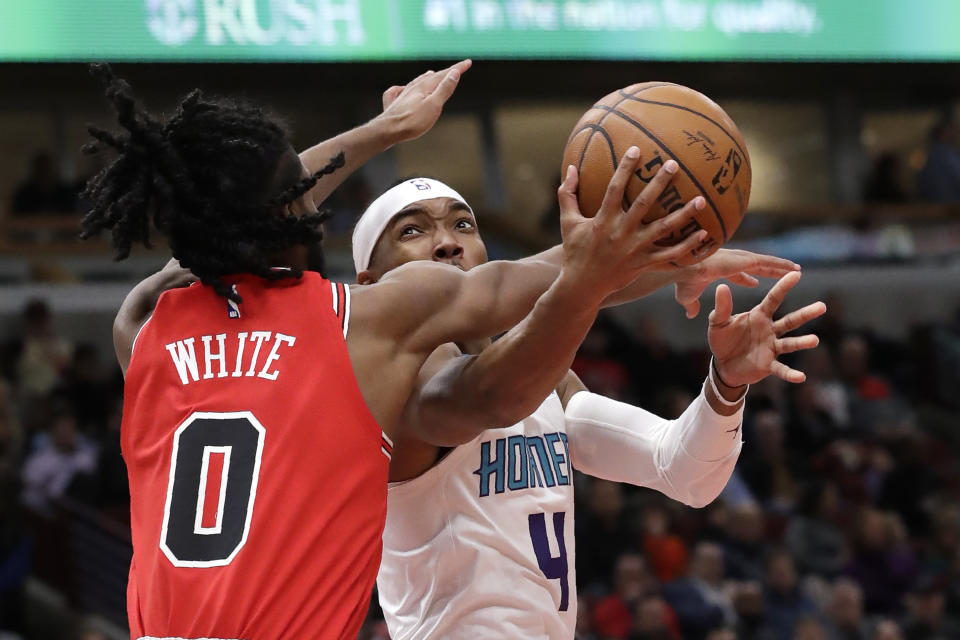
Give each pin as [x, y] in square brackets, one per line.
[481, 545]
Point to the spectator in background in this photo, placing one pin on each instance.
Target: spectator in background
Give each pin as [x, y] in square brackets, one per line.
[41, 355]
[809, 629]
[603, 533]
[947, 352]
[596, 367]
[665, 551]
[883, 563]
[86, 386]
[926, 618]
[809, 426]
[654, 621]
[749, 604]
[855, 369]
[715, 520]
[874, 407]
[43, 191]
[829, 392]
[887, 181]
[584, 628]
[784, 603]
[16, 550]
[765, 467]
[743, 546]
[844, 612]
[112, 487]
[818, 410]
[814, 536]
[952, 583]
[657, 368]
[939, 180]
[735, 493]
[911, 475]
[11, 436]
[699, 598]
[612, 616]
[887, 630]
[49, 471]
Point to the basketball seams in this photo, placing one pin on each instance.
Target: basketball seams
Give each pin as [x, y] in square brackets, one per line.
[624, 97]
[597, 157]
[694, 111]
[598, 126]
[666, 149]
[606, 136]
[629, 96]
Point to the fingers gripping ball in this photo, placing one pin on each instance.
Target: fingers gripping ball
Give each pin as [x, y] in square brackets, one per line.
[666, 121]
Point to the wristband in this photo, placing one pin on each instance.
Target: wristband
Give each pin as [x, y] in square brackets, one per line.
[716, 391]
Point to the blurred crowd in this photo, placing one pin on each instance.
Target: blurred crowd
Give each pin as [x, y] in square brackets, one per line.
[44, 190]
[841, 520]
[937, 181]
[60, 406]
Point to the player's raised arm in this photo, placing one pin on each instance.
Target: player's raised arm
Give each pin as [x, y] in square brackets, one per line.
[512, 377]
[735, 265]
[738, 266]
[139, 304]
[691, 458]
[409, 111]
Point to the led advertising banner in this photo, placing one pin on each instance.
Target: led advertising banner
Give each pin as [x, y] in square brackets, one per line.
[347, 30]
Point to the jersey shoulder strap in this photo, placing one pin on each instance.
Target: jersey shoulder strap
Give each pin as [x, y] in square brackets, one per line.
[341, 304]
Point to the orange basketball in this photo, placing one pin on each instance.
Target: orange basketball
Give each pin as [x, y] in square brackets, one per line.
[666, 121]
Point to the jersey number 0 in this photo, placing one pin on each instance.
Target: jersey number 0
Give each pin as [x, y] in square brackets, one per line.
[213, 484]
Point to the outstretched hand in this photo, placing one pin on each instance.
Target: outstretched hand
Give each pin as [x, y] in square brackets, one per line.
[414, 108]
[745, 346]
[737, 266]
[607, 252]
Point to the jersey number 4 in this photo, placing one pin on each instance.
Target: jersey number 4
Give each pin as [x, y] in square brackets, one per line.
[213, 484]
[553, 567]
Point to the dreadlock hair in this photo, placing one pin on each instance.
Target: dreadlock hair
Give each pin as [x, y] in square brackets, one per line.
[212, 179]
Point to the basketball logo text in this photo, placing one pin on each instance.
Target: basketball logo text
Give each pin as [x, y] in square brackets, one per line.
[727, 172]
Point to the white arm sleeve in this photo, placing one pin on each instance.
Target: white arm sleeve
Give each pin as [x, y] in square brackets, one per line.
[688, 459]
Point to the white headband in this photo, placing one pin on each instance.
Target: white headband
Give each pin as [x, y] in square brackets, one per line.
[382, 210]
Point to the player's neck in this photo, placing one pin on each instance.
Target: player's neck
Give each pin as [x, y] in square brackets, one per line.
[294, 257]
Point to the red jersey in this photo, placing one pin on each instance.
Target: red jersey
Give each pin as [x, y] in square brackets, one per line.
[258, 477]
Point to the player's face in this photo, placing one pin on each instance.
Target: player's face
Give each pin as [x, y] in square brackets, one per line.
[439, 229]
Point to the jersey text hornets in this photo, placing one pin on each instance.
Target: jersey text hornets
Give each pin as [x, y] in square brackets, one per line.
[524, 462]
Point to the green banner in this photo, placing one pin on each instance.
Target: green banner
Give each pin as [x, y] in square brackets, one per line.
[309, 30]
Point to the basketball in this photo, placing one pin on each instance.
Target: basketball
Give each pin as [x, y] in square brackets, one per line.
[665, 121]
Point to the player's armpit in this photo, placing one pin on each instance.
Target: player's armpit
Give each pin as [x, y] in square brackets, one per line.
[570, 386]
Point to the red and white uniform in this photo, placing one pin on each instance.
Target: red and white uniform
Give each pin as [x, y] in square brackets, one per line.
[258, 478]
